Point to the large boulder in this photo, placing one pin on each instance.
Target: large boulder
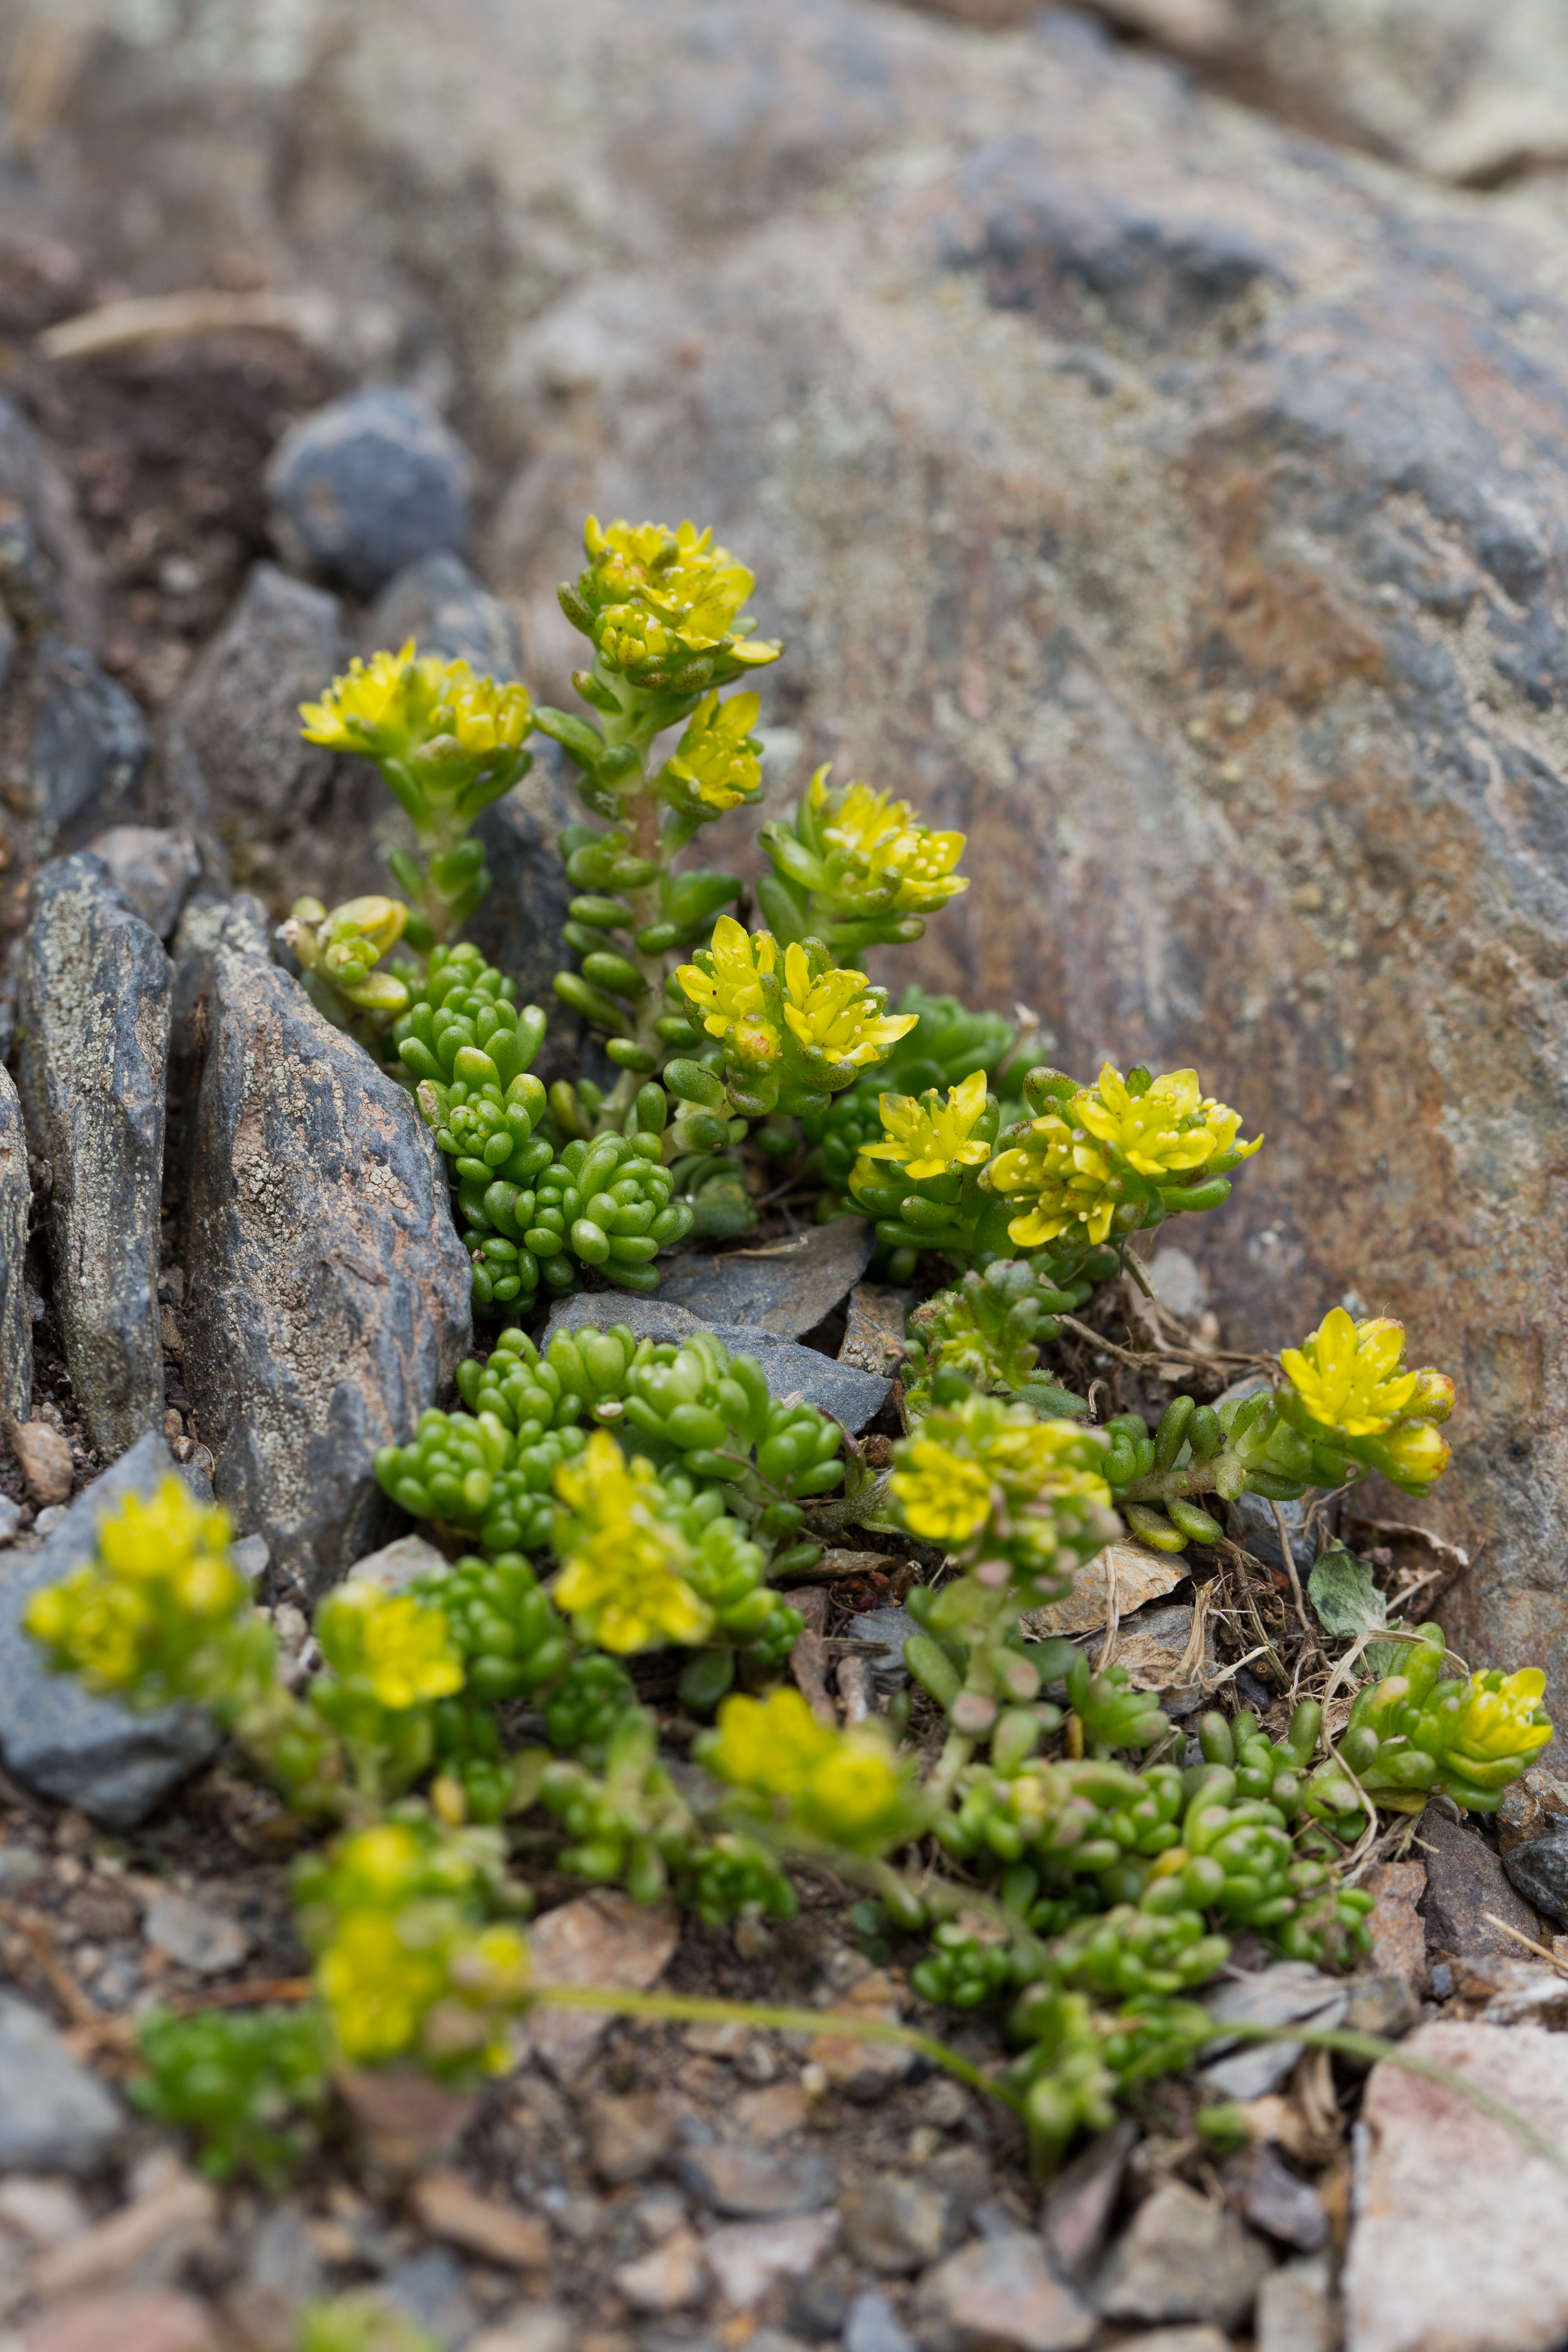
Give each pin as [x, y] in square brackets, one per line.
[328, 1294]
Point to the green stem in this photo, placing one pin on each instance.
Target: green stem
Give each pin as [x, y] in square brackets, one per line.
[631, 728]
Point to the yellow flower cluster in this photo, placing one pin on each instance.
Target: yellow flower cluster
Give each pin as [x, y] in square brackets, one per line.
[831, 1014]
[622, 1578]
[882, 849]
[929, 1136]
[661, 595]
[834, 1013]
[345, 946]
[983, 1462]
[396, 703]
[843, 1786]
[1067, 1170]
[1501, 1715]
[153, 1605]
[1350, 1377]
[396, 1646]
[728, 996]
[716, 763]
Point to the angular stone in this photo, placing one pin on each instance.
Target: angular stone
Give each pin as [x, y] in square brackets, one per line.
[1295, 2308]
[131, 2319]
[1459, 2229]
[1122, 1575]
[16, 1315]
[1183, 2257]
[896, 2224]
[752, 2184]
[53, 577]
[783, 1287]
[997, 2294]
[887, 1629]
[1078, 2207]
[96, 993]
[195, 1935]
[746, 2258]
[1153, 1647]
[54, 2115]
[1277, 2201]
[44, 2211]
[1465, 1882]
[368, 484]
[517, 926]
[1253, 1525]
[841, 1390]
[283, 2273]
[91, 748]
[431, 2290]
[629, 2137]
[1290, 1992]
[446, 2206]
[1388, 2006]
[44, 1457]
[1181, 2340]
[874, 1332]
[1538, 1870]
[144, 2244]
[670, 2277]
[1398, 1932]
[88, 1753]
[153, 869]
[394, 1567]
[602, 1938]
[328, 1292]
[446, 610]
[873, 2325]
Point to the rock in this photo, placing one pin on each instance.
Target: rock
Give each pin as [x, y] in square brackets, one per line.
[96, 995]
[602, 1938]
[43, 2211]
[1295, 2308]
[366, 485]
[1388, 2006]
[283, 2273]
[863, 2071]
[44, 1458]
[1277, 2201]
[52, 575]
[840, 1391]
[629, 2137]
[144, 2244]
[752, 2184]
[88, 1753]
[1290, 1992]
[542, 2328]
[440, 602]
[1538, 1870]
[1459, 2229]
[1505, 1992]
[895, 2225]
[20, 1866]
[1155, 1648]
[1122, 1575]
[1180, 1282]
[53, 2117]
[518, 925]
[1078, 2207]
[405, 2121]
[874, 1332]
[1181, 2340]
[328, 1292]
[746, 2258]
[1465, 1881]
[193, 1935]
[771, 2113]
[1252, 1524]
[783, 1287]
[873, 2325]
[1183, 2257]
[430, 2289]
[1535, 1806]
[91, 748]
[252, 1555]
[446, 2205]
[153, 869]
[887, 1629]
[16, 1315]
[131, 2319]
[671, 2277]
[394, 1567]
[1398, 1932]
[998, 2295]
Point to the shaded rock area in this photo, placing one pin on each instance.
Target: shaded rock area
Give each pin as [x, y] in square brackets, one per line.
[15, 1313]
[784, 1288]
[842, 1391]
[327, 1291]
[96, 998]
[88, 1752]
[92, 745]
[368, 484]
[54, 2115]
[440, 602]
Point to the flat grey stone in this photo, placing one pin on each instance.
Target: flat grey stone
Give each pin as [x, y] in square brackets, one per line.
[54, 2115]
[1292, 1992]
[754, 2184]
[235, 748]
[394, 1567]
[998, 2295]
[328, 1294]
[446, 610]
[154, 868]
[90, 1752]
[91, 746]
[873, 2325]
[1467, 1887]
[889, 1628]
[780, 1288]
[15, 1313]
[841, 1390]
[366, 485]
[96, 996]
[1183, 2257]
[1252, 1525]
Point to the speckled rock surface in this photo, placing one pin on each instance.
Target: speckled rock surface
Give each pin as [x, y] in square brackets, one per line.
[16, 1315]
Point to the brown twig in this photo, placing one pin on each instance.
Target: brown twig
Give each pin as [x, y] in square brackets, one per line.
[36, 1931]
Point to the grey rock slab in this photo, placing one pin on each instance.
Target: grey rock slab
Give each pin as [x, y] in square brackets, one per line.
[874, 1330]
[780, 1288]
[328, 1294]
[1075, 2214]
[198, 1938]
[234, 745]
[446, 610]
[1292, 1992]
[54, 2115]
[752, 2183]
[873, 2325]
[1457, 2230]
[15, 1313]
[96, 998]
[91, 748]
[897, 2224]
[999, 2294]
[1538, 1870]
[90, 1752]
[888, 1629]
[366, 485]
[1252, 1525]
[843, 1392]
[153, 868]
[1183, 2257]
[1465, 1882]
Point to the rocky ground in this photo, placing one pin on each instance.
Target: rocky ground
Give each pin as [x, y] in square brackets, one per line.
[1178, 503]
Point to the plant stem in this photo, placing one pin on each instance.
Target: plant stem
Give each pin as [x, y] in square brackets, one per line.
[631, 729]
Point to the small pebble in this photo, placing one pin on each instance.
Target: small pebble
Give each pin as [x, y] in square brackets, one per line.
[48, 1520]
[44, 1460]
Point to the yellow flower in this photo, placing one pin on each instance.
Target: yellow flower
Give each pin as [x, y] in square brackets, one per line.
[395, 704]
[928, 1136]
[844, 1786]
[377, 1987]
[1413, 1453]
[715, 760]
[667, 594]
[943, 1499]
[1498, 1717]
[623, 1568]
[885, 848]
[484, 716]
[836, 1014]
[1170, 1129]
[1069, 1177]
[400, 1646]
[1351, 1376]
[1071, 1160]
[370, 699]
[159, 1588]
[729, 994]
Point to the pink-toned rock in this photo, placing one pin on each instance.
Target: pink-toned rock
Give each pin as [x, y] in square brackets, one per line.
[671, 2278]
[603, 1938]
[44, 1460]
[1398, 1933]
[1459, 2233]
[449, 2207]
[138, 2319]
[747, 2257]
[143, 2243]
